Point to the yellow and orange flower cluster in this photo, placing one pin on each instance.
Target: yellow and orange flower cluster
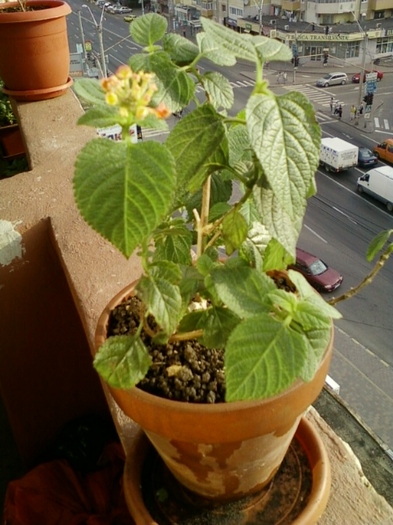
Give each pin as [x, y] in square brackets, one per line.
[132, 93]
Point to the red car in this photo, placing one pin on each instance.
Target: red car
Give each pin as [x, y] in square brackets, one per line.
[318, 274]
[356, 76]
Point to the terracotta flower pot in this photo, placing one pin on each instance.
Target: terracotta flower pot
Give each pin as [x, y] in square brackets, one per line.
[34, 52]
[221, 451]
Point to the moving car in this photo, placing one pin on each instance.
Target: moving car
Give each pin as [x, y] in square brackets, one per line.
[384, 150]
[366, 158]
[318, 274]
[129, 18]
[356, 76]
[332, 79]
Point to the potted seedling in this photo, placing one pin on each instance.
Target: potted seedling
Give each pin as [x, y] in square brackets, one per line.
[11, 143]
[217, 349]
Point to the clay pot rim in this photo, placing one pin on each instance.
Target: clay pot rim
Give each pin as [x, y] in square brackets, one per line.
[195, 408]
[54, 9]
[39, 94]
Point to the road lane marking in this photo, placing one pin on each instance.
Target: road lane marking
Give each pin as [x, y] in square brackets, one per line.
[315, 233]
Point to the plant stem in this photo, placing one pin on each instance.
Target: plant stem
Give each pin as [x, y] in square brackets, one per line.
[367, 279]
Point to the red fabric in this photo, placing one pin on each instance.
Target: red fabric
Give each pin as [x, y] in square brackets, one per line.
[54, 494]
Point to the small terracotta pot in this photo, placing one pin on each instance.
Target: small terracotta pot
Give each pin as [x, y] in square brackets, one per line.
[221, 451]
[11, 142]
[34, 52]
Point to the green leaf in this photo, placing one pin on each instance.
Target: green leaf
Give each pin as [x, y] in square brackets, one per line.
[239, 45]
[239, 144]
[124, 190]
[317, 340]
[242, 289]
[217, 324]
[262, 358]
[276, 220]
[148, 29]
[286, 140]
[323, 310]
[162, 300]
[176, 87]
[100, 117]
[270, 49]
[254, 246]
[193, 141]
[173, 244]
[234, 231]
[276, 257]
[122, 361]
[213, 51]
[167, 270]
[219, 90]
[180, 49]
[378, 243]
[90, 90]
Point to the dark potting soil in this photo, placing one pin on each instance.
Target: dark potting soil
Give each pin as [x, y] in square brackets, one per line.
[182, 370]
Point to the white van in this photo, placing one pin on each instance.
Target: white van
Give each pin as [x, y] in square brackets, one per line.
[378, 182]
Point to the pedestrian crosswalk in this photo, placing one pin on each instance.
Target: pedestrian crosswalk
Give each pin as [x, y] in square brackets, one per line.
[244, 82]
[319, 96]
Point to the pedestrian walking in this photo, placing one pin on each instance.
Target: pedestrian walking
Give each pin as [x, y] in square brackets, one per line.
[340, 111]
[353, 112]
[331, 105]
[361, 109]
[284, 76]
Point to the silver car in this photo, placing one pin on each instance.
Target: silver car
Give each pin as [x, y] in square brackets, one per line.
[332, 79]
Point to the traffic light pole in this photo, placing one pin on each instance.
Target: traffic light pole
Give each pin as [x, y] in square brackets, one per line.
[363, 68]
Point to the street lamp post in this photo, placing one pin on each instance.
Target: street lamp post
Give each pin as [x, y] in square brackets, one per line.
[98, 27]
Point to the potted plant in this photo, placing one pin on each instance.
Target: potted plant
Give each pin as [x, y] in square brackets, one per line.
[11, 142]
[36, 32]
[214, 213]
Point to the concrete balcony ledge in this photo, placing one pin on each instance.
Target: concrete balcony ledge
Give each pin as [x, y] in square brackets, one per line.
[39, 205]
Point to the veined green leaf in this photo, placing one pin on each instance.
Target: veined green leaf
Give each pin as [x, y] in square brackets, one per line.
[286, 140]
[254, 246]
[219, 90]
[173, 244]
[242, 289]
[193, 141]
[212, 50]
[167, 270]
[181, 50]
[270, 49]
[147, 30]
[90, 90]
[124, 190]
[163, 301]
[262, 358]
[122, 361]
[239, 45]
[234, 231]
[276, 219]
[307, 293]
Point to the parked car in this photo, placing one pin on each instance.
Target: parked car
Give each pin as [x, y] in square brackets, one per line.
[332, 79]
[384, 150]
[356, 76]
[366, 158]
[122, 10]
[318, 274]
